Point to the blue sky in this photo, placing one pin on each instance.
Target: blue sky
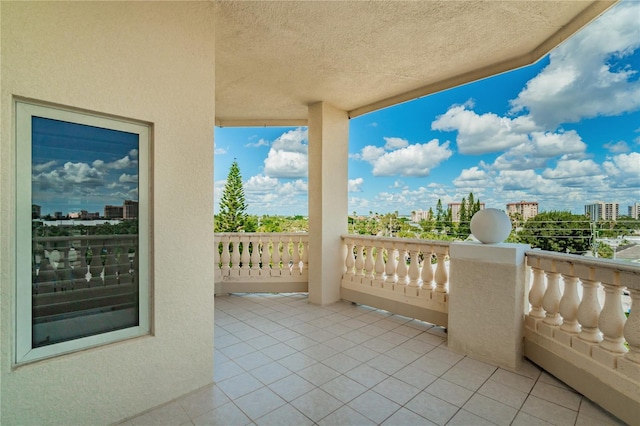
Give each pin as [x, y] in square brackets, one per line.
[77, 167]
[564, 132]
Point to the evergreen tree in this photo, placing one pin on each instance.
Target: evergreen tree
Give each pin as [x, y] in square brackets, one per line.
[439, 216]
[463, 224]
[233, 208]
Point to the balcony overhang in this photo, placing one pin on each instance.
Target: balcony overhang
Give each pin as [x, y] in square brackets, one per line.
[273, 59]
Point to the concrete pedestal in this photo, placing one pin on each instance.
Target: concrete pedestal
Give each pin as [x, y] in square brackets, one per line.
[486, 301]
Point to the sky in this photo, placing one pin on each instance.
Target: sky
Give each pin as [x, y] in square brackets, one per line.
[77, 167]
[564, 132]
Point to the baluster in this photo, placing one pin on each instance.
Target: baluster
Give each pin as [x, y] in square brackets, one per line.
[441, 277]
[245, 257]
[588, 312]
[265, 263]
[401, 270]
[427, 269]
[536, 294]
[350, 259]
[305, 254]
[225, 258]
[360, 260]
[216, 255]
[414, 271]
[390, 267]
[379, 267]
[611, 320]
[569, 305]
[276, 268]
[295, 270]
[286, 256]
[235, 255]
[551, 299]
[632, 327]
[255, 254]
[368, 265]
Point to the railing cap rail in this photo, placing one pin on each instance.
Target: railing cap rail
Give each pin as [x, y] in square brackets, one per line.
[86, 237]
[397, 240]
[577, 259]
[261, 234]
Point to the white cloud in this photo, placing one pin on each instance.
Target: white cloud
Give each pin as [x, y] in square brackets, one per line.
[39, 168]
[574, 173]
[123, 163]
[67, 178]
[481, 134]
[261, 142]
[583, 78]
[288, 156]
[395, 143]
[355, 185]
[510, 180]
[260, 183]
[617, 147]
[133, 153]
[624, 169]
[219, 151]
[126, 178]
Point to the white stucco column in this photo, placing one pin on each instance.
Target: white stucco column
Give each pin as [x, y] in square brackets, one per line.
[328, 184]
[486, 301]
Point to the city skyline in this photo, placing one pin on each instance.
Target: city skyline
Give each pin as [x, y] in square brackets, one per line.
[563, 132]
[77, 167]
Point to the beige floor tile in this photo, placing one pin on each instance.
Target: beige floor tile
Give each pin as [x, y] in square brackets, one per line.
[592, 414]
[464, 378]
[224, 370]
[513, 380]
[490, 409]
[396, 390]
[316, 404]
[345, 415]
[279, 351]
[558, 395]
[341, 363]
[318, 374]
[284, 416]
[291, 387]
[374, 406]
[386, 364]
[297, 361]
[415, 377]
[404, 417]
[205, 400]
[503, 393]
[320, 352]
[450, 392]
[465, 418]
[549, 411]
[431, 365]
[366, 376]
[524, 419]
[258, 403]
[270, 373]
[253, 360]
[239, 385]
[434, 409]
[227, 414]
[343, 388]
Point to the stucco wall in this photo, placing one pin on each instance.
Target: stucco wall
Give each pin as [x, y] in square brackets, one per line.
[152, 62]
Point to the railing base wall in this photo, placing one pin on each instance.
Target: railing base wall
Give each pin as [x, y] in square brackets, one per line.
[395, 306]
[226, 287]
[550, 356]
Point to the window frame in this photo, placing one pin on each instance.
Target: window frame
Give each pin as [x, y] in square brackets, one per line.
[24, 111]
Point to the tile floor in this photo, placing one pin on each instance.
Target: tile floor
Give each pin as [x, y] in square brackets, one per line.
[282, 361]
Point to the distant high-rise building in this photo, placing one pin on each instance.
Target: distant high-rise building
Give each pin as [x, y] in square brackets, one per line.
[418, 215]
[36, 211]
[526, 209]
[130, 209]
[58, 215]
[602, 211]
[634, 211]
[455, 210]
[113, 212]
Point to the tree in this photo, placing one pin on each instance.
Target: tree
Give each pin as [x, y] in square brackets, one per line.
[233, 208]
[558, 231]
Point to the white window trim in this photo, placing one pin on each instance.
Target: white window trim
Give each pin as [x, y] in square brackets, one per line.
[24, 110]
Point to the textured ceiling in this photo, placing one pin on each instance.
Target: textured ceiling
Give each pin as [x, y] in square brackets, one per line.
[274, 58]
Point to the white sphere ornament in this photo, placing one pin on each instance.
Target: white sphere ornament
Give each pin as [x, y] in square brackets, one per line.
[490, 226]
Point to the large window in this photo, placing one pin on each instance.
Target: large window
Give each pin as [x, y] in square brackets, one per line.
[83, 230]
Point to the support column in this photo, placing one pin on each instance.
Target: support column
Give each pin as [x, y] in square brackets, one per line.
[328, 185]
[486, 301]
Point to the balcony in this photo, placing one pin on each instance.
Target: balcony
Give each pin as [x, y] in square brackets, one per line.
[282, 360]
